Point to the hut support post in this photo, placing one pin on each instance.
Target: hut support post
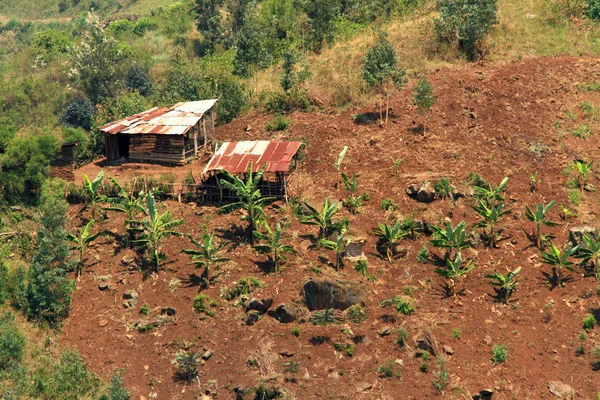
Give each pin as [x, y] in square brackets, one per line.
[204, 132]
[195, 143]
[212, 121]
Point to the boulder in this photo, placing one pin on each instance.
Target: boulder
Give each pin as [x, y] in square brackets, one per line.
[426, 193]
[261, 305]
[322, 294]
[285, 313]
[104, 286]
[252, 317]
[169, 311]
[561, 390]
[130, 295]
[413, 189]
[354, 250]
[576, 234]
[127, 260]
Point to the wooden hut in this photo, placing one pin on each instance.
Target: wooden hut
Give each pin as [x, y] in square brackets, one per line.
[235, 157]
[170, 135]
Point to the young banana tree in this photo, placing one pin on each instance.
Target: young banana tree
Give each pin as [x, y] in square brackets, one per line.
[92, 190]
[208, 253]
[323, 218]
[128, 204]
[559, 261]
[491, 216]
[81, 241]
[491, 196]
[154, 229]
[583, 172]
[504, 285]
[453, 271]
[338, 245]
[451, 238]
[250, 198]
[390, 235]
[273, 245]
[590, 252]
[539, 218]
[353, 202]
[338, 164]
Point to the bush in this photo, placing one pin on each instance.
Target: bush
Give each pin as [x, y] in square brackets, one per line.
[402, 304]
[388, 205]
[137, 79]
[78, 113]
[187, 362]
[466, 22]
[423, 255]
[144, 25]
[593, 10]
[357, 313]
[443, 188]
[117, 389]
[361, 267]
[589, 322]
[279, 123]
[203, 303]
[120, 27]
[71, 379]
[499, 354]
[12, 342]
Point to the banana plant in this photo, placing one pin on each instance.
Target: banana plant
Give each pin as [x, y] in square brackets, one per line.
[451, 238]
[559, 261]
[154, 229]
[590, 251]
[323, 218]
[454, 270]
[396, 163]
[273, 245]
[539, 218]
[127, 203]
[250, 198]
[504, 285]
[353, 203]
[338, 245]
[92, 190]
[208, 253]
[583, 172]
[390, 235]
[81, 241]
[491, 216]
[338, 164]
[491, 196]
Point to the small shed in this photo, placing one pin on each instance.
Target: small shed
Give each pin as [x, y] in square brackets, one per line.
[64, 165]
[235, 157]
[170, 135]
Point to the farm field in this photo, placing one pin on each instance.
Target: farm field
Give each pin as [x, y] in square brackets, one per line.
[514, 120]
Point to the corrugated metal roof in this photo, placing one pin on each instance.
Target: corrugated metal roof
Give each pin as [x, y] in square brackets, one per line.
[236, 156]
[171, 120]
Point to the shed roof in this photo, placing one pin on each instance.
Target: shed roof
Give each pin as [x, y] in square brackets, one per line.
[235, 157]
[172, 120]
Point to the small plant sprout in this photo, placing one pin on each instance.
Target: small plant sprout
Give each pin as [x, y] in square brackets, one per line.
[499, 354]
[451, 238]
[456, 333]
[453, 271]
[589, 322]
[583, 172]
[127, 203]
[187, 362]
[423, 255]
[490, 217]
[361, 267]
[591, 251]
[273, 245]
[442, 380]
[443, 189]
[559, 261]
[403, 304]
[504, 285]
[389, 236]
[533, 181]
[353, 202]
[338, 246]
[323, 218]
[338, 164]
[396, 163]
[208, 253]
[489, 195]
[81, 242]
[539, 218]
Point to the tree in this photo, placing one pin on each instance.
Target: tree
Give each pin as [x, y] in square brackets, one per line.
[78, 113]
[466, 22]
[452, 238]
[381, 72]
[251, 200]
[155, 229]
[251, 51]
[390, 235]
[424, 98]
[491, 216]
[559, 261]
[504, 285]
[92, 191]
[338, 246]
[128, 204]
[321, 17]
[208, 253]
[273, 245]
[209, 23]
[137, 78]
[539, 218]
[95, 63]
[323, 219]
[590, 251]
[81, 241]
[454, 270]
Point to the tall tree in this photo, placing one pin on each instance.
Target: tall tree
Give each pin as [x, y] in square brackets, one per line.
[209, 23]
[251, 51]
[381, 72]
[321, 17]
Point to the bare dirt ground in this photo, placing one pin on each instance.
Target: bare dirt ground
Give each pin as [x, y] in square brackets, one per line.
[489, 120]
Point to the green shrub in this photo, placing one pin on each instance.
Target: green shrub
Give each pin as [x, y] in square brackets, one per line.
[347, 348]
[386, 370]
[589, 322]
[593, 10]
[242, 287]
[117, 389]
[187, 362]
[357, 313]
[361, 267]
[456, 333]
[443, 188]
[71, 379]
[499, 354]
[144, 25]
[582, 131]
[423, 254]
[279, 123]
[388, 205]
[144, 309]
[402, 304]
[120, 27]
[203, 303]
[402, 336]
[12, 342]
[296, 332]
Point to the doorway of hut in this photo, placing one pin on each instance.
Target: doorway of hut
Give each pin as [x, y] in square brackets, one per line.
[123, 145]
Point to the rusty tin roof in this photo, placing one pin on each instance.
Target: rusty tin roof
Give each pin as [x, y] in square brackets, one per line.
[172, 120]
[236, 156]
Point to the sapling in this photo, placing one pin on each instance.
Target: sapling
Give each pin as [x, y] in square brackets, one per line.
[208, 252]
[491, 216]
[590, 251]
[396, 163]
[505, 285]
[583, 172]
[539, 218]
[338, 245]
[273, 245]
[559, 261]
[453, 270]
[92, 190]
[451, 238]
[390, 235]
[323, 219]
[81, 242]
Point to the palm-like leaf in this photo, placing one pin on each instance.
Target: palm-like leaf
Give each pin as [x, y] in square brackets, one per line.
[81, 241]
[92, 189]
[505, 284]
[274, 245]
[492, 195]
[338, 163]
[539, 218]
[323, 219]
[590, 251]
[338, 245]
[559, 260]
[454, 270]
[390, 235]
[208, 253]
[452, 238]
[491, 216]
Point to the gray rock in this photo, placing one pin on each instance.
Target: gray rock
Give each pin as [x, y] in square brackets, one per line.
[262, 305]
[252, 317]
[385, 331]
[127, 260]
[426, 193]
[447, 349]
[206, 355]
[285, 313]
[130, 303]
[413, 189]
[576, 234]
[322, 294]
[130, 295]
[169, 311]
[588, 187]
[104, 286]
[561, 390]
[354, 251]
[362, 387]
